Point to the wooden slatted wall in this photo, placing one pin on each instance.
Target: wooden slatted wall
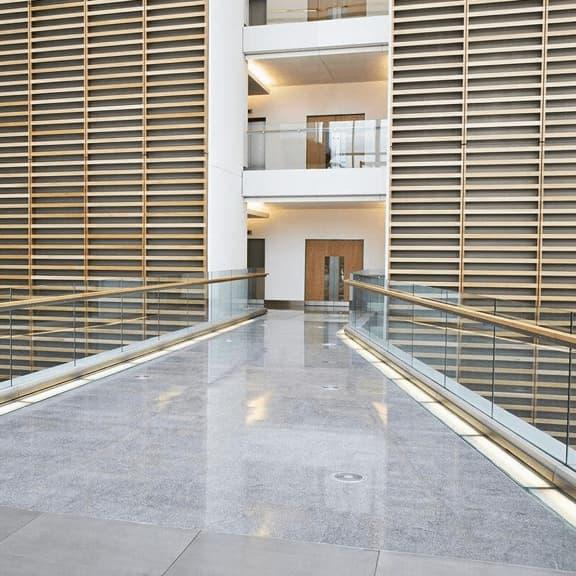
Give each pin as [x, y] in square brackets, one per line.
[426, 139]
[558, 218]
[502, 150]
[557, 259]
[102, 148]
[483, 177]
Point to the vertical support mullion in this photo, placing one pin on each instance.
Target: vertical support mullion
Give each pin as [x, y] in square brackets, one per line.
[388, 159]
[493, 378]
[144, 248]
[11, 342]
[86, 167]
[569, 390]
[206, 136]
[122, 319]
[463, 175]
[540, 224]
[463, 148]
[74, 330]
[30, 186]
[540, 229]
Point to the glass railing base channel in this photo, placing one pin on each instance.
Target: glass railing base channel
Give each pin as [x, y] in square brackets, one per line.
[551, 469]
[56, 375]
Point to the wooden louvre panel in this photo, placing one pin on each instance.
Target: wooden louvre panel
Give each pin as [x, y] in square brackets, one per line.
[482, 193]
[426, 136]
[426, 161]
[557, 288]
[15, 172]
[115, 140]
[176, 145]
[558, 256]
[500, 210]
[502, 154]
[14, 150]
[56, 188]
[102, 163]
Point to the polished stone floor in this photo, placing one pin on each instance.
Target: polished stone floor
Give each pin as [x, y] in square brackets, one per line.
[242, 434]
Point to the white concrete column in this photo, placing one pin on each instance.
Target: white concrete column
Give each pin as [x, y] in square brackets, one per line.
[227, 112]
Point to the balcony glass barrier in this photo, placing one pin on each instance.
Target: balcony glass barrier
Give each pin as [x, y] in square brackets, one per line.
[285, 11]
[551, 316]
[68, 325]
[319, 145]
[505, 362]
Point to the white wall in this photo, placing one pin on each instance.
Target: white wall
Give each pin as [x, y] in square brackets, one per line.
[226, 128]
[287, 107]
[286, 232]
[296, 185]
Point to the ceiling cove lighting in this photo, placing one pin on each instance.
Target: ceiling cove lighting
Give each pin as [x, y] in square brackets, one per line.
[257, 206]
[260, 74]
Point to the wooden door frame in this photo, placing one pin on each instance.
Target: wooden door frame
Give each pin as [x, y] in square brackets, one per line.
[306, 243]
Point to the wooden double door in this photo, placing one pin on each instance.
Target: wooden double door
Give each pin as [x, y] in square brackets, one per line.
[328, 263]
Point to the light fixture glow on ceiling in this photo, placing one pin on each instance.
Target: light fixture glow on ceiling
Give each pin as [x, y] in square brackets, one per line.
[259, 73]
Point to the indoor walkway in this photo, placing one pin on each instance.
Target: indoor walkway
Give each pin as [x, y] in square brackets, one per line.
[246, 433]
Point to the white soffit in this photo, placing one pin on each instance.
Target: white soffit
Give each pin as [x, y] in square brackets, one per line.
[322, 68]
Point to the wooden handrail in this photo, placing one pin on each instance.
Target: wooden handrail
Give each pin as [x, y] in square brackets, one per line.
[471, 314]
[34, 302]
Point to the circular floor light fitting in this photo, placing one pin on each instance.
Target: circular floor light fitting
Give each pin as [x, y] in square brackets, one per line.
[349, 477]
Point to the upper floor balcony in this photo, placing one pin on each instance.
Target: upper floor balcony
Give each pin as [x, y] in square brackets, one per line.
[320, 143]
[277, 26]
[321, 159]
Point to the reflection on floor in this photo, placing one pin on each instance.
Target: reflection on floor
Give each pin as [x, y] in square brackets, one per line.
[248, 433]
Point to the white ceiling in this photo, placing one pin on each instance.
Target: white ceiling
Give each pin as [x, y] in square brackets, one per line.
[324, 68]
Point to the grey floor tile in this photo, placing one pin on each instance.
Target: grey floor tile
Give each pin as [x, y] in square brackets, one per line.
[246, 430]
[229, 555]
[12, 520]
[397, 564]
[11, 565]
[53, 545]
